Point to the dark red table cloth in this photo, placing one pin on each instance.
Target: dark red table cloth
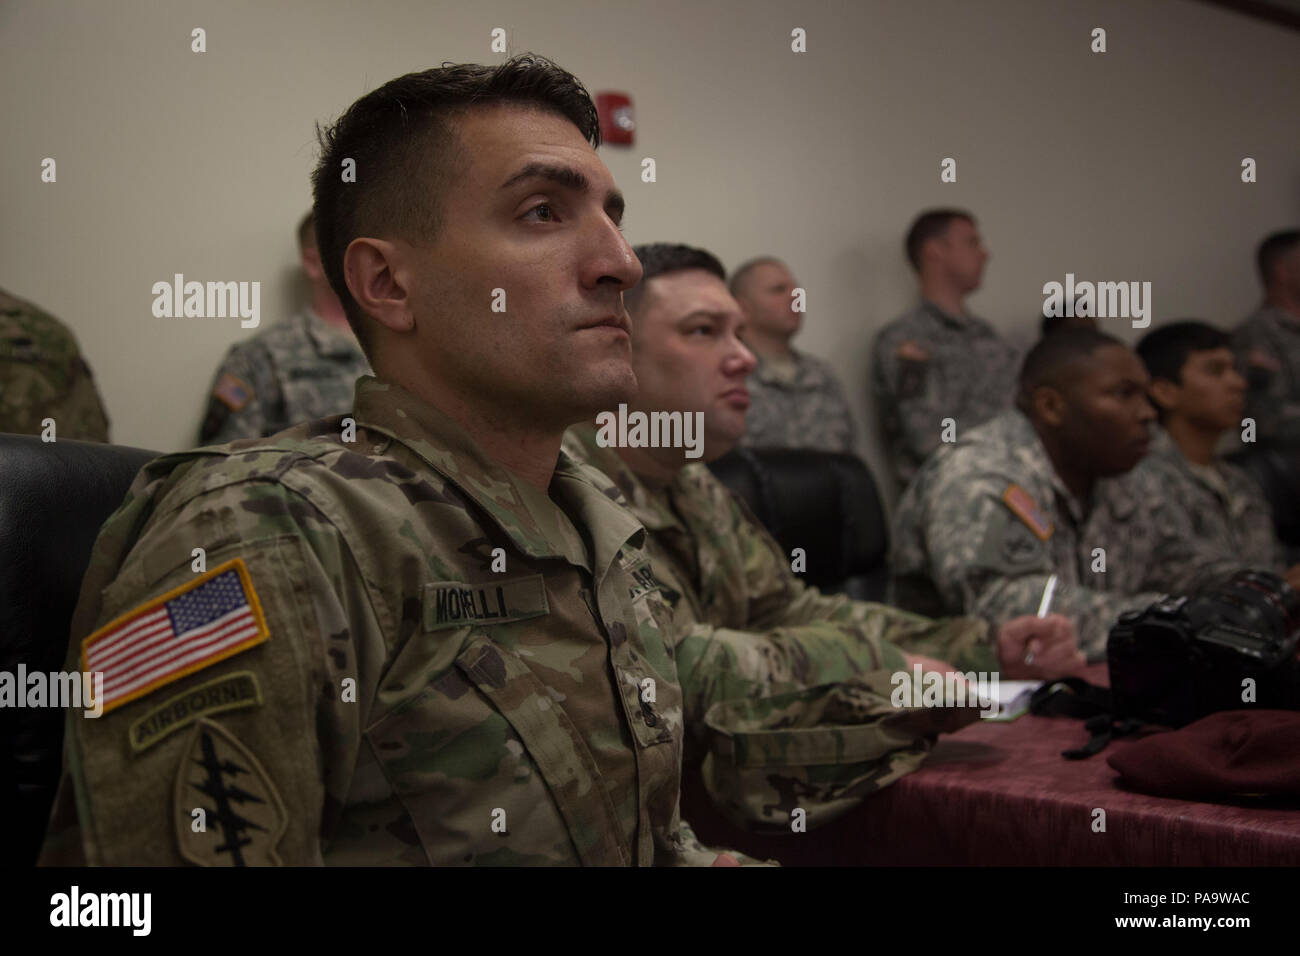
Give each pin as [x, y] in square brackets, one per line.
[1002, 794]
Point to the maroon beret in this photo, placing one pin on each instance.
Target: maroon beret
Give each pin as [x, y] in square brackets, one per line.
[1233, 751]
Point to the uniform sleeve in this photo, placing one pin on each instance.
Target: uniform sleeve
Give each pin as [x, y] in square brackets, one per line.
[903, 390]
[244, 397]
[990, 563]
[842, 412]
[233, 698]
[1276, 412]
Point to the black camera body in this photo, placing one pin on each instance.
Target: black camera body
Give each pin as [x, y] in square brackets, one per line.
[1184, 658]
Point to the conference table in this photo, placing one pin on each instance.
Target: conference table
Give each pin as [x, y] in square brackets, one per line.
[1000, 793]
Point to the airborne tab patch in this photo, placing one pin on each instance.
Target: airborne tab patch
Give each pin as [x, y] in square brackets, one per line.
[228, 692]
[456, 603]
[1026, 509]
[185, 630]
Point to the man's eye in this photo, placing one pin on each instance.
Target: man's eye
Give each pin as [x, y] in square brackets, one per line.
[700, 330]
[550, 212]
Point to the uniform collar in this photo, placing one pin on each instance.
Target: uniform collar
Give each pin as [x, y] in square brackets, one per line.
[649, 508]
[946, 318]
[535, 522]
[328, 341]
[780, 373]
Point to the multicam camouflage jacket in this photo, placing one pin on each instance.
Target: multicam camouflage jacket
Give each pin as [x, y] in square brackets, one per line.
[927, 366]
[757, 650]
[397, 652]
[987, 521]
[42, 375]
[294, 371]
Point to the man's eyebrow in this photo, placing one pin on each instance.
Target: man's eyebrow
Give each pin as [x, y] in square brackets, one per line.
[569, 178]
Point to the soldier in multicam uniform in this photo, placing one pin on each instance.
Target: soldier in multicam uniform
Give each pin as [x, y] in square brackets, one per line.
[42, 375]
[747, 630]
[1049, 488]
[938, 361]
[426, 642]
[303, 368]
[1199, 395]
[1268, 342]
[796, 400]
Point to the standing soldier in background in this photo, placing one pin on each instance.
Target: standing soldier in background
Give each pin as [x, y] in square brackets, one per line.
[1268, 342]
[938, 361]
[418, 635]
[294, 371]
[42, 375]
[797, 401]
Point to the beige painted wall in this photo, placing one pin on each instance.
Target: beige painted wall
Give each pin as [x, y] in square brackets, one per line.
[1116, 166]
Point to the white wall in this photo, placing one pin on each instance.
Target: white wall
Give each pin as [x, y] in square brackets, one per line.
[1116, 166]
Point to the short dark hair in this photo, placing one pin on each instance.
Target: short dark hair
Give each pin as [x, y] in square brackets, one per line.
[405, 151]
[742, 272]
[1055, 323]
[1164, 351]
[307, 231]
[658, 258]
[1272, 249]
[930, 224]
[1052, 354]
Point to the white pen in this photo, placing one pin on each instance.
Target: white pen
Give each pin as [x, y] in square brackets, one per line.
[1044, 606]
[1049, 589]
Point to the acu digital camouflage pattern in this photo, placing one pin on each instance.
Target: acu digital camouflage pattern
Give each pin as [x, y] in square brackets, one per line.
[1221, 505]
[969, 375]
[1267, 344]
[757, 651]
[959, 545]
[42, 375]
[295, 371]
[532, 702]
[797, 404]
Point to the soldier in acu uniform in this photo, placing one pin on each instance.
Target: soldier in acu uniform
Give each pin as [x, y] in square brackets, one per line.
[1268, 341]
[1050, 488]
[294, 371]
[745, 627]
[938, 361]
[1200, 395]
[414, 636]
[796, 400]
[42, 375]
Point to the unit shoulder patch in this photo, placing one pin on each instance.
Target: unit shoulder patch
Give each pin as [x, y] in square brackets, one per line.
[242, 818]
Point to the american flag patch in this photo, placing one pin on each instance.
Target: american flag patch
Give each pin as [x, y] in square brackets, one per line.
[1026, 509]
[235, 392]
[185, 630]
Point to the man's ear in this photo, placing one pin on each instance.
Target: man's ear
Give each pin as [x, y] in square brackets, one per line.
[1049, 406]
[380, 282]
[1164, 394]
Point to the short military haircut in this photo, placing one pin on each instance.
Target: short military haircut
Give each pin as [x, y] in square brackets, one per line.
[1050, 360]
[658, 258]
[740, 278]
[1271, 251]
[307, 231]
[1164, 351]
[931, 224]
[400, 139]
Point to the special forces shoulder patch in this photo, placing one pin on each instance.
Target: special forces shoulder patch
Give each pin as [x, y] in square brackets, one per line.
[227, 810]
[1026, 509]
[185, 630]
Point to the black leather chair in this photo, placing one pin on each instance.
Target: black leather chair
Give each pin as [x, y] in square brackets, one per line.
[823, 502]
[1277, 469]
[53, 498]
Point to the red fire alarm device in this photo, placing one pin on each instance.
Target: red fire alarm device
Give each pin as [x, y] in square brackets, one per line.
[617, 124]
